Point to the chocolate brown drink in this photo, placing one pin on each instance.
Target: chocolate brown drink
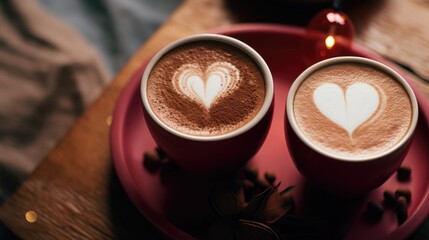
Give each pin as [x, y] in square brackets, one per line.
[205, 88]
[352, 110]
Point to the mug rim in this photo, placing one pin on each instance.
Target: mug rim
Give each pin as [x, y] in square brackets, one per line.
[246, 49]
[351, 59]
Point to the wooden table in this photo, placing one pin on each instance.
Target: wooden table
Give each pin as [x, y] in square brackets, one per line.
[75, 191]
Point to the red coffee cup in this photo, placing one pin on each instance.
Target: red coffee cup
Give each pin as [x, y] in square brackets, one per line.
[336, 173]
[212, 155]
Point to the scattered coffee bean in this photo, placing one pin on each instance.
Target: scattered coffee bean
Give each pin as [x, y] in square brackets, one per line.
[160, 152]
[270, 177]
[401, 209]
[403, 173]
[398, 201]
[151, 161]
[374, 210]
[251, 173]
[402, 201]
[403, 192]
[164, 161]
[389, 198]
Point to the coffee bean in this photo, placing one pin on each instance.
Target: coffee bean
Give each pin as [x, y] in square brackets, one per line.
[151, 161]
[160, 152]
[375, 210]
[270, 177]
[401, 209]
[164, 161]
[402, 201]
[389, 198]
[403, 173]
[403, 192]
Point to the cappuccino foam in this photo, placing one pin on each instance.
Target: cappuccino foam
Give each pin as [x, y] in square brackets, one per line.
[205, 88]
[352, 110]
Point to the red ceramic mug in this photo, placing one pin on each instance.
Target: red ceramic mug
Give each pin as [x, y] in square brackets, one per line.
[349, 123]
[212, 154]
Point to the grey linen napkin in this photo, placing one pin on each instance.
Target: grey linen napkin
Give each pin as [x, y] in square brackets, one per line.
[48, 74]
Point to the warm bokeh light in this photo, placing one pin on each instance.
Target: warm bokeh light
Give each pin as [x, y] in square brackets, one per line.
[31, 216]
[109, 120]
[329, 34]
[335, 18]
[329, 42]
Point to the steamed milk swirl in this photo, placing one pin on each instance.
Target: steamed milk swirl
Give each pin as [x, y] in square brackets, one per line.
[205, 88]
[221, 78]
[352, 110]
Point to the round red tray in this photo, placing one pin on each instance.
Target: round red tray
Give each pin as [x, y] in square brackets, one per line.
[172, 200]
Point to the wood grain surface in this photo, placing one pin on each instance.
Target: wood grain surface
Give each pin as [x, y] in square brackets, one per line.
[75, 191]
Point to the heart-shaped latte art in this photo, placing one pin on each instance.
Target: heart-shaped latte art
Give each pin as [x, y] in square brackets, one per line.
[206, 86]
[350, 109]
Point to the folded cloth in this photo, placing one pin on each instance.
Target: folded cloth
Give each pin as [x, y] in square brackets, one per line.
[48, 74]
[117, 28]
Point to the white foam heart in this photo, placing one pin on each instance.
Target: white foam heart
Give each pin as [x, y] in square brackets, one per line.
[208, 86]
[349, 109]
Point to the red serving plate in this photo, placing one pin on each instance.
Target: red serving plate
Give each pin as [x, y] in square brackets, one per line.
[173, 200]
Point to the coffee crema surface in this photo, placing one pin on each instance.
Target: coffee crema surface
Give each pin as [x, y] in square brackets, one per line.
[205, 88]
[352, 110]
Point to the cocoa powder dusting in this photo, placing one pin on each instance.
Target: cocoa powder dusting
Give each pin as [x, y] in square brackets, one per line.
[187, 115]
[380, 132]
